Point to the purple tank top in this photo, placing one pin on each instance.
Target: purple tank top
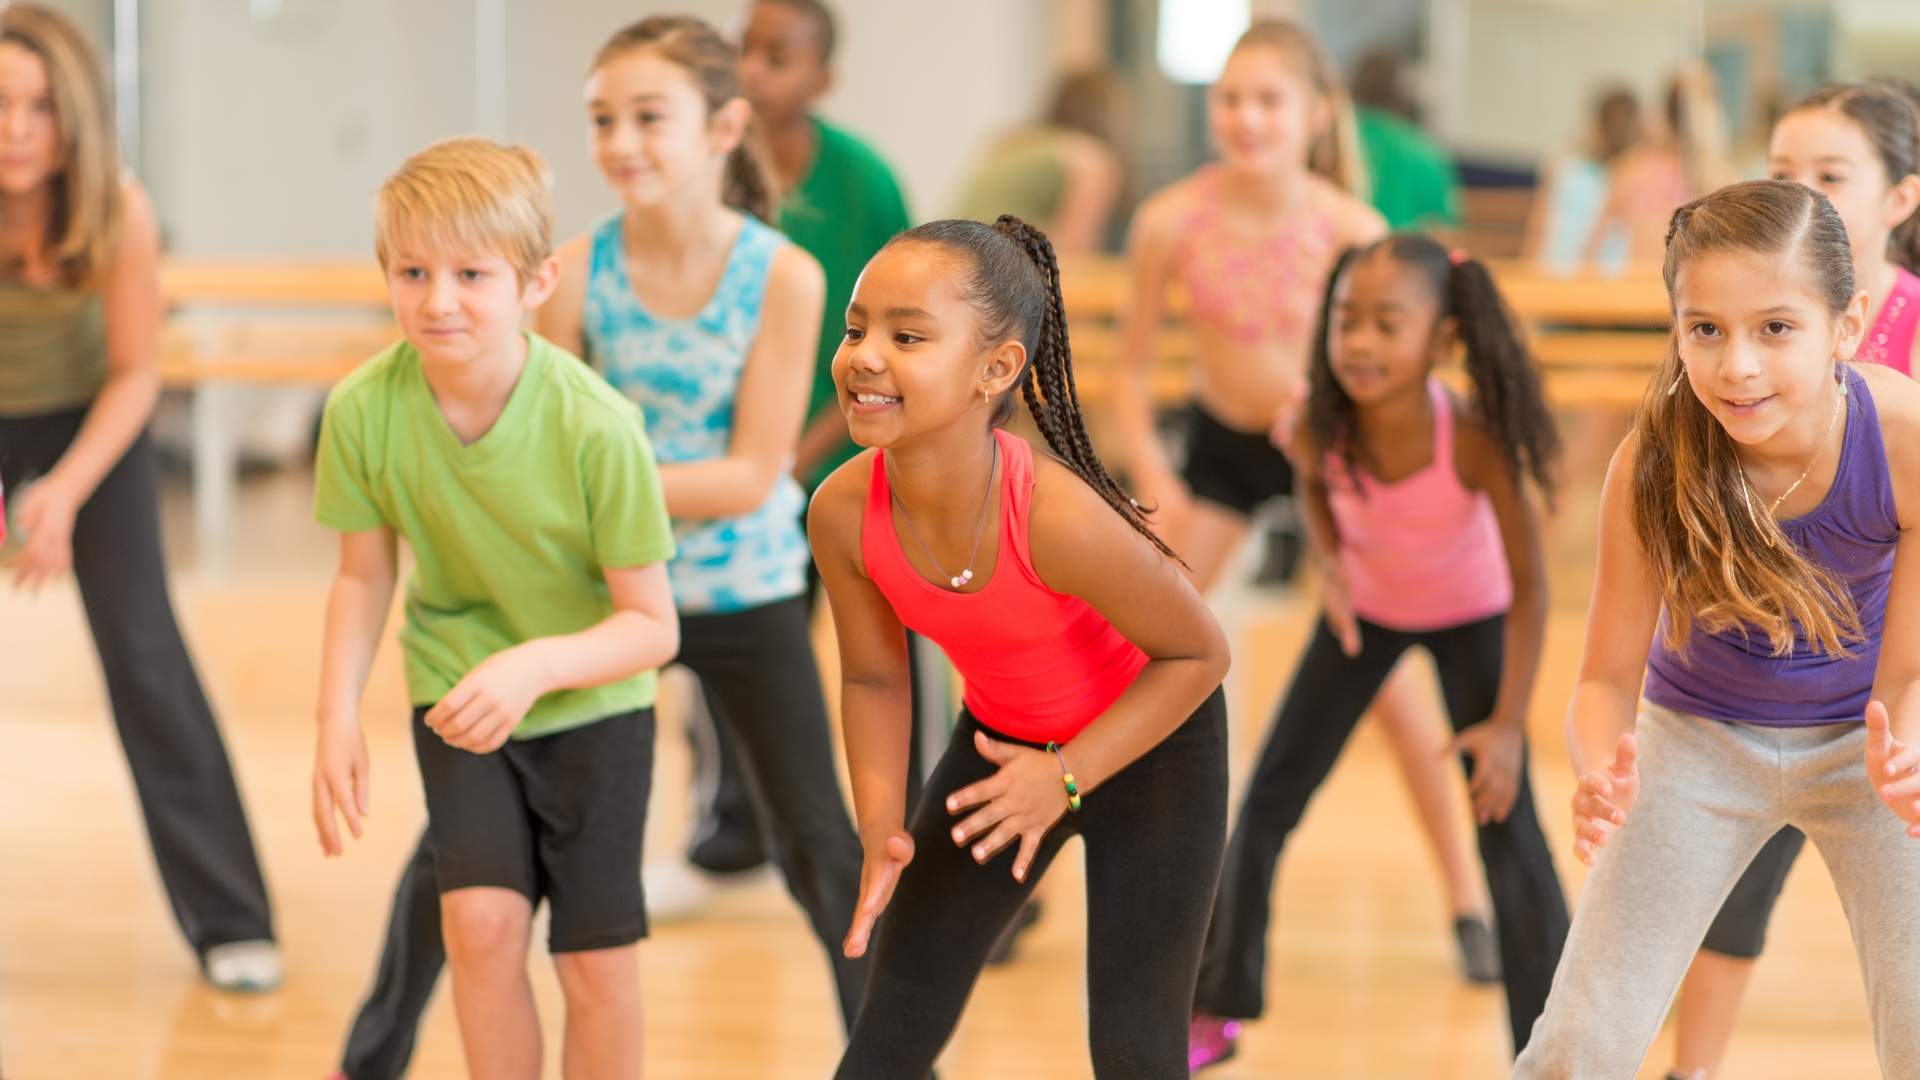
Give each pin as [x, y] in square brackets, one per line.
[1731, 676]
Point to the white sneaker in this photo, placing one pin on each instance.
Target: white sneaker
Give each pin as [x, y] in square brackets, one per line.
[676, 889]
[244, 967]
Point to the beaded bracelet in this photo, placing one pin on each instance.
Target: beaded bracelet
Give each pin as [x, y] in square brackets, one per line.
[1073, 790]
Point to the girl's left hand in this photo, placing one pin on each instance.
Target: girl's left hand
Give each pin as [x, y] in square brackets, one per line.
[1894, 768]
[1495, 747]
[45, 515]
[1022, 800]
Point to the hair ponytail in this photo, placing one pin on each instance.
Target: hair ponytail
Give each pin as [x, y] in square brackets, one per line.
[1507, 393]
[749, 183]
[1014, 284]
[1335, 153]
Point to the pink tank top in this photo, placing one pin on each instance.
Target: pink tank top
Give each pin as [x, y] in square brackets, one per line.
[1421, 553]
[1039, 665]
[1253, 289]
[1890, 342]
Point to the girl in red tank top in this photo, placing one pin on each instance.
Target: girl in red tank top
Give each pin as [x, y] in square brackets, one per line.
[1092, 667]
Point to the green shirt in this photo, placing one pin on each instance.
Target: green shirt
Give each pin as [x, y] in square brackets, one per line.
[510, 533]
[1415, 183]
[843, 213]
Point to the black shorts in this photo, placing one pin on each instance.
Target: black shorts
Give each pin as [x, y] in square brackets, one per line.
[1236, 469]
[1740, 930]
[559, 818]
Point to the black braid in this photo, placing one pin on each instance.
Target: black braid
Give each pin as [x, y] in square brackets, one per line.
[1014, 284]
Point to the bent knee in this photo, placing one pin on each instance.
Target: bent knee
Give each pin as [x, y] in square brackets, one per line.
[485, 921]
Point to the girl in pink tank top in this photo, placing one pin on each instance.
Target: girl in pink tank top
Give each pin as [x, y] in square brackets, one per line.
[1422, 523]
[1092, 667]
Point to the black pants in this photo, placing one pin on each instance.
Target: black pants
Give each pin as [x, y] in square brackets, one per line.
[1740, 930]
[758, 674]
[194, 818]
[1154, 835]
[1330, 691]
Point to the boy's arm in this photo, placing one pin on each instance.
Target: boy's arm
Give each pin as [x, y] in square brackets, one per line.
[643, 633]
[356, 614]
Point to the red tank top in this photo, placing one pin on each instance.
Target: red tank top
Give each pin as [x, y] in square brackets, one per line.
[1039, 665]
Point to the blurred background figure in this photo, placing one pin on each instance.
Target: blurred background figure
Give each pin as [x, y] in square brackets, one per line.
[1068, 173]
[1575, 185]
[1415, 182]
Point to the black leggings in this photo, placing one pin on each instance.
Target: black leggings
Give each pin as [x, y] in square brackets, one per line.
[757, 670]
[194, 817]
[1154, 835]
[1330, 691]
[1740, 930]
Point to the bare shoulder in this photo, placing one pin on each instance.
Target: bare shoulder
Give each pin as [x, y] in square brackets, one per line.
[1478, 456]
[794, 269]
[140, 222]
[1354, 222]
[1070, 526]
[839, 505]
[1160, 217]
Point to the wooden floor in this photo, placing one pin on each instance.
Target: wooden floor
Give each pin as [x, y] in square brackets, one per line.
[95, 983]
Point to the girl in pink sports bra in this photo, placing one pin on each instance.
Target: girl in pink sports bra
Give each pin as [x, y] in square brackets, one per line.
[1251, 237]
[1421, 519]
[1858, 143]
[1092, 667]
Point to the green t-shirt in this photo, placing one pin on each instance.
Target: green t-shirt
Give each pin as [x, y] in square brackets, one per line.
[1415, 183]
[842, 214]
[510, 533]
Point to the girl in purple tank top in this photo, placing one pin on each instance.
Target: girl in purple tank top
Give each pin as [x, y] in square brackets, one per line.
[1858, 144]
[1421, 521]
[1750, 579]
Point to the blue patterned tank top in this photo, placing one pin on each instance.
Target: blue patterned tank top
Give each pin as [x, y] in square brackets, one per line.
[685, 375]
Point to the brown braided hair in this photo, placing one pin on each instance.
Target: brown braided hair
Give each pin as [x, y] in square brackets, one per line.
[1013, 283]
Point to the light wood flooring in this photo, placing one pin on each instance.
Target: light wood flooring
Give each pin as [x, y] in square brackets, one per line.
[95, 983]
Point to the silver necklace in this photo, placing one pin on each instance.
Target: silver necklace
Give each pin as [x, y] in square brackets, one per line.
[1746, 486]
[966, 575]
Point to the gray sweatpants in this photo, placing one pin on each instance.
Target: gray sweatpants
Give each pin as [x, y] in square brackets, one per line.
[1711, 793]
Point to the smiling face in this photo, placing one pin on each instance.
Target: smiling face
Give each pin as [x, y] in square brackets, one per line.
[653, 137]
[1759, 341]
[1386, 331]
[913, 361]
[460, 308]
[29, 128]
[1828, 151]
[782, 62]
[1263, 112]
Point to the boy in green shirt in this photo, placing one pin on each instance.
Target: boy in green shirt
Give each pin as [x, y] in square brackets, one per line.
[537, 613]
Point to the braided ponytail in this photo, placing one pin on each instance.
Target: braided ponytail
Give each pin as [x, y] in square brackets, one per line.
[1014, 285]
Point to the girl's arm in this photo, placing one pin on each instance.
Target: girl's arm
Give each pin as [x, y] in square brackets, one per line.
[559, 319]
[1496, 743]
[119, 412]
[1082, 548]
[1893, 716]
[643, 633]
[1323, 541]
[1149, 265]
[1621, 621]
[771, 403]
[356, 614]
[876, 712]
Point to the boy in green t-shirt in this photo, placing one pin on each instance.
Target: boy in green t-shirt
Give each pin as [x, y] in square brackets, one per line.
[536, 615]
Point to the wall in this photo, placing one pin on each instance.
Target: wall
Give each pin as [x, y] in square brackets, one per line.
[269, 123]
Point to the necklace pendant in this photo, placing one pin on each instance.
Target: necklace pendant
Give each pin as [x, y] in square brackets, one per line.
[967, 574]
[956, 582]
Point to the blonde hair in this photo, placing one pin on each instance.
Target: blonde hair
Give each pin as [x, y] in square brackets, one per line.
[472, 195]
[88, 201]
[1335, 154]
[1723, 563]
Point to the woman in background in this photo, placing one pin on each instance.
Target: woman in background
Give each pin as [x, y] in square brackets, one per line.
[80, 315]
[1067, 174]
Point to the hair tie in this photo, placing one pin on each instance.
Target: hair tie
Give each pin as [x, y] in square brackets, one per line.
[1456, 256]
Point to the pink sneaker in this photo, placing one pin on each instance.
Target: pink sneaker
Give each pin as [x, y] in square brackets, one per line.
[1210, 1040]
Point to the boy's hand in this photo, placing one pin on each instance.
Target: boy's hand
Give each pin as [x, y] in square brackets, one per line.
[1601, 802]
[1495, 746]
[886, 856]
[1894, 768]
[483, 709]
[342, 781]
[1022, 800]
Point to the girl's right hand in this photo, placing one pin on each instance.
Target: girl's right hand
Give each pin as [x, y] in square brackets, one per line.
[342, 781]
[886, 858]
[1603, 797]
[1338, 598]
[1894, 768]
